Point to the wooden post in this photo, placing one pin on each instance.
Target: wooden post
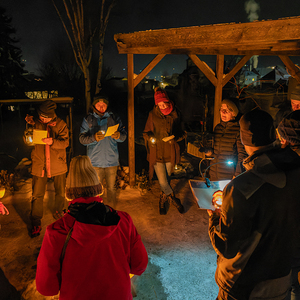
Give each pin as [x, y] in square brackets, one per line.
[219, 88]
[131, 145]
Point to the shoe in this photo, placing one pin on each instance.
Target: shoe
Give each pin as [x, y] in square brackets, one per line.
[176, 202]
[162, 204]
[36, 231]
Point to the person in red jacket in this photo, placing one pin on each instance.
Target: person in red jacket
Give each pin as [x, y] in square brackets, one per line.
[104, 247]
[49, 160]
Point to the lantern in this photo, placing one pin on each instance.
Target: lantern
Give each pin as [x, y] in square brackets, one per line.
[28, 135]
[2, 191]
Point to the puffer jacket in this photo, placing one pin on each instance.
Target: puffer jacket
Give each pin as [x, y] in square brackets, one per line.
[227, 146]
[160, 126]
[104, 153]
[254, 237]
[51, 158]
[103, 250]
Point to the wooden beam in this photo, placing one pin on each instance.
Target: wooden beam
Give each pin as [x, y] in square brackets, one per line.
[271, 37]
[235, 69]
[151, 65]
[219, 88]
[131, 145]
[207, 71]
[293, 70]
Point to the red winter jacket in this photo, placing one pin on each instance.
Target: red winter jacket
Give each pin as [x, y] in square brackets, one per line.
[98, 258]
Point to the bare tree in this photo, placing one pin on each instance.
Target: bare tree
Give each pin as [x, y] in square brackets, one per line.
[82, 37]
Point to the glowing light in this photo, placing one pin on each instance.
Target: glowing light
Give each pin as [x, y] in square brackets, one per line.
[153, 140]
[2, 192]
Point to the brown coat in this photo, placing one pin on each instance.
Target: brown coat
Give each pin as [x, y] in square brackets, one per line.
[58, 130]
[161, 126]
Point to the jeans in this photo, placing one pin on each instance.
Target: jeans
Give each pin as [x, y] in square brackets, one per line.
[163, 173]
[38, 193]
[109, 174]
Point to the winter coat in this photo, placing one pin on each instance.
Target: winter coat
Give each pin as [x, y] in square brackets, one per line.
[51, 158]
[227, 146]
[104, 153]
[254, 237]
[103, 250]
[160, 126]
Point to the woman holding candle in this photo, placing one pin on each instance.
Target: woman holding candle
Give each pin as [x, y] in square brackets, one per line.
[162, 133]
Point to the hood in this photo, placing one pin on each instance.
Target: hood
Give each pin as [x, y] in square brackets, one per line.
[93, 218]
[272, 163]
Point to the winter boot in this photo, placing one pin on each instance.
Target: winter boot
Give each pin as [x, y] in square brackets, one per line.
[176, 202]
[162, 204]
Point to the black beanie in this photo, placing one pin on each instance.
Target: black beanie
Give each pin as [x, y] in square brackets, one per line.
[257, 129]
[289, 128]
[100, 97]
[47, 109]
[295, 92]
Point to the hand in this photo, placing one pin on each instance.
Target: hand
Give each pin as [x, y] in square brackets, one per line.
[99, 136]
[29, 119]
[116, 135]
[217, 199]
[48, 141]
[3, 209]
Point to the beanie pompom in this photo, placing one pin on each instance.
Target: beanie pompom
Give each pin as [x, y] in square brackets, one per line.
[160, 95]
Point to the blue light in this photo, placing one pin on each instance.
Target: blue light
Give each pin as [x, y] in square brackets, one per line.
[229, 162]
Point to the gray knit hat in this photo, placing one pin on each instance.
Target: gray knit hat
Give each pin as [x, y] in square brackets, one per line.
[99, 98]
[295, 93]
[231, 106]
[47, 109]
[82, 180]
[289, 128]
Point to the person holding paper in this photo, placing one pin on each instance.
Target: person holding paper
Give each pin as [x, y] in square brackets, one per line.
[49, 160]
[254, 231]
[162, 133]
[101, 131]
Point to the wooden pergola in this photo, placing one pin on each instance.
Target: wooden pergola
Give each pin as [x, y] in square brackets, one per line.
[270, 38]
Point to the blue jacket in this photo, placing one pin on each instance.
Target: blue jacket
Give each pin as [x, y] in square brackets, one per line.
[104, 153]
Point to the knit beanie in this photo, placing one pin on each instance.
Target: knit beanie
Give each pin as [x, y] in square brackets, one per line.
[257, 129]
[295, 92]
[289, 128]
[100, 97]
[47, 109]
[82, 180]
[231, 106]
[160, 95]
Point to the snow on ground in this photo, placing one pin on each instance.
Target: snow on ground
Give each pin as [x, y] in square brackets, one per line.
[182, 261]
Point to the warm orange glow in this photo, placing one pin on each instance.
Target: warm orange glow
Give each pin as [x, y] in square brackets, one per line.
[2, 192]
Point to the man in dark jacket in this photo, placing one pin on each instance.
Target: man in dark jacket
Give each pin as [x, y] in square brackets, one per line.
[253, 232]
[48, 161]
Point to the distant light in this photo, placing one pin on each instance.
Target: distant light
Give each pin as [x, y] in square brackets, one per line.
[123, 69]
[229, 162]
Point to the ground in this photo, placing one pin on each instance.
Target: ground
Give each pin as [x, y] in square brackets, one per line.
[182, 261]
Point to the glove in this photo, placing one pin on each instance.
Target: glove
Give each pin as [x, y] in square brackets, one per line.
[99, 136]
[29, 119]
[3, 209]
[116, 135]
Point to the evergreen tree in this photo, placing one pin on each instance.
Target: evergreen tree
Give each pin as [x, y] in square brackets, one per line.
[11, 67]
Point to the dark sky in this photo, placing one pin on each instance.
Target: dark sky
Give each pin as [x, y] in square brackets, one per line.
[39, 28]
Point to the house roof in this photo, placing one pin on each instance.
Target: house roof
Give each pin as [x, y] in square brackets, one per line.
[271, 37]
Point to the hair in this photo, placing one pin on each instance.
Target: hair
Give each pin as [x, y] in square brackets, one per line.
[82, 180]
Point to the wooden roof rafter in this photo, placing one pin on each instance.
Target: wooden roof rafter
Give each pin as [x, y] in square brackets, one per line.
[270, 38]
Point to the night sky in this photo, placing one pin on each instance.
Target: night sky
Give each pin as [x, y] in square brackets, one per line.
[38, 26]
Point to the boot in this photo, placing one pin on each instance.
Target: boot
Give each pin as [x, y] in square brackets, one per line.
[162, 204]
[176, 202]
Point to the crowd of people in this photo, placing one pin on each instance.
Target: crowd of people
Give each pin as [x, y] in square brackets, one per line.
[255, 231]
